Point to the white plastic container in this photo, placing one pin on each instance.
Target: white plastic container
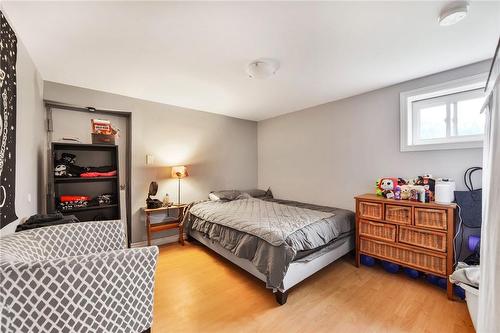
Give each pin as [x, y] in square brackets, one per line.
[444, 191]
[471, 297]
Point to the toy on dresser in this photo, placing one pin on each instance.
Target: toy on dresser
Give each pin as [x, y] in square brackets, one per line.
[405, 192]
[386, 187]
[417, 189]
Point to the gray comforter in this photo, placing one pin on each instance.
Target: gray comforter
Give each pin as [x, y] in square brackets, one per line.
[270, 233]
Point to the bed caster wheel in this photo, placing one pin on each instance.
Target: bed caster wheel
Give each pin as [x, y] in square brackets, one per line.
[281, 297]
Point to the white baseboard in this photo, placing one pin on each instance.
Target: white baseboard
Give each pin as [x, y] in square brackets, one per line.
[157, 241]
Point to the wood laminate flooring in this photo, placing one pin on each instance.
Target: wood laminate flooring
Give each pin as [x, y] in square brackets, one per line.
[197, 290]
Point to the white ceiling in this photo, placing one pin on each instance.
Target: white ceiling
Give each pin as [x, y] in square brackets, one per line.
[194, 54]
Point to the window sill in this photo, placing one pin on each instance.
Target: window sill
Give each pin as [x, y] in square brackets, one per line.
[442, 146]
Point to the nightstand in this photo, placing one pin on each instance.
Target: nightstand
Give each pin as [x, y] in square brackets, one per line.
[173, 222]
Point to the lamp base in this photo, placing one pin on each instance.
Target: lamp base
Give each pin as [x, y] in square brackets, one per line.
[179, 192]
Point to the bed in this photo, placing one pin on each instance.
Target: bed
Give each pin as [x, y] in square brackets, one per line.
[281, 242]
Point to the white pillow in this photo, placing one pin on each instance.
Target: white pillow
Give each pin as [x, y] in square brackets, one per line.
[213, 197]
[227, 195]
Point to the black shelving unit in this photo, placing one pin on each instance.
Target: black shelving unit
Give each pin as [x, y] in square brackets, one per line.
[82, 179]
[87, 155]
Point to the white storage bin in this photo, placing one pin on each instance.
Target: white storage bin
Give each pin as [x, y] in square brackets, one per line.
[471, 297]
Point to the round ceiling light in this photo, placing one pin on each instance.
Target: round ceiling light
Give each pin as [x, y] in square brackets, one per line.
[453, 13]
[262, 68]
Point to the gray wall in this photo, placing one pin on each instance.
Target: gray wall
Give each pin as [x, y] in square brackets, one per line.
[329, 153]
[221, 151]
[325, 154]
[30, 140]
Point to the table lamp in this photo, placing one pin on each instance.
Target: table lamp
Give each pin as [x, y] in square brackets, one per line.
[179, 172]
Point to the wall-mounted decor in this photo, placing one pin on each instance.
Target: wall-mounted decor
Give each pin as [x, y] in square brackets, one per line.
[8, 55]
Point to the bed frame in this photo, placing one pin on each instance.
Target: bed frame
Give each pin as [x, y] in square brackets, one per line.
[297, 271]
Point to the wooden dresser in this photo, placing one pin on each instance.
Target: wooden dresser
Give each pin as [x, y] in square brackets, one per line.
[412, 234]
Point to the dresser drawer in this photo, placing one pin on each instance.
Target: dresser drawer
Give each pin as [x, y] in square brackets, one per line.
[377, 230]
[428, 239]
[404, 256]
[398, 214]
[371, 210]
[431, 218]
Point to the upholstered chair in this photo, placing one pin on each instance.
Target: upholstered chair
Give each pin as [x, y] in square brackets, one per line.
[75, 278]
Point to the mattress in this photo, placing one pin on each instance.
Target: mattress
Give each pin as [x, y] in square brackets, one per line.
[246, 235]
[299, 269]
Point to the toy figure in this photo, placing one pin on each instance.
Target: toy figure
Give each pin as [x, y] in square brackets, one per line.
[414, 194]
[65, 166]
[386, 184]
[389, 194]
[405, 192]
[397, 193]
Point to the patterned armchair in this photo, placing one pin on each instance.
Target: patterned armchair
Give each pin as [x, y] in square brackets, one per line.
[75, 278]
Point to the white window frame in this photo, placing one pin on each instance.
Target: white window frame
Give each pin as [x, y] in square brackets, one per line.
[473, 85]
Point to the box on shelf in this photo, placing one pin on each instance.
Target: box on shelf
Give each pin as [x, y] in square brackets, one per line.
[108, 139]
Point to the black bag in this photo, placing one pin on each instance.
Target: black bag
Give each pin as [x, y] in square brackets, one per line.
[470, 201]
[470, 213]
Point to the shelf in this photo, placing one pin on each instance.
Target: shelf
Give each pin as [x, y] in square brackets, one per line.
[165, 225]
[87, 208]
[83, 146]
[163, 209]
[86, 154]
[83, 179]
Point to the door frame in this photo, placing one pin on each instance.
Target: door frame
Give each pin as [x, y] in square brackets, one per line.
[49, 105]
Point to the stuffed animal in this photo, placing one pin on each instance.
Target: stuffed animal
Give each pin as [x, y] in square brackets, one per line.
[405, 192]
[65, 166]
[384, 185]
[412, 181]
[402, 181]
[429, 185]
[60, 170]
[378, 191]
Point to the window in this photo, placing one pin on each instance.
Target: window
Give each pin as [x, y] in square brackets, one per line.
[445, 116]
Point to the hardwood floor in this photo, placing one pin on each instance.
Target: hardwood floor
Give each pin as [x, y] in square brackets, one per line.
[199, 291]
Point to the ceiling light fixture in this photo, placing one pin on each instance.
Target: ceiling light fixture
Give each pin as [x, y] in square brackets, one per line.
[262, 68]
[453, 13]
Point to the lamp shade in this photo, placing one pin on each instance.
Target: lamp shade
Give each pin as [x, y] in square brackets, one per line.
[179, 171]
